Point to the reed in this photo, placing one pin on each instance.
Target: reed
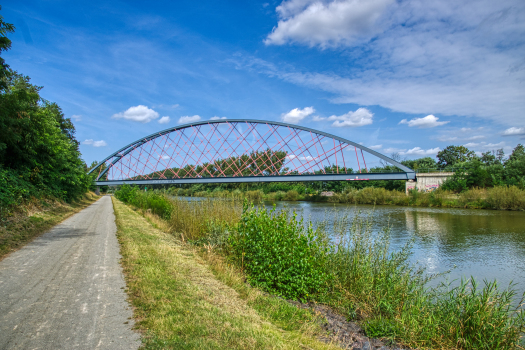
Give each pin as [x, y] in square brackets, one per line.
[358, 274]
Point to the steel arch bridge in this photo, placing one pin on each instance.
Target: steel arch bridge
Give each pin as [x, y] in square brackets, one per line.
[243, 150]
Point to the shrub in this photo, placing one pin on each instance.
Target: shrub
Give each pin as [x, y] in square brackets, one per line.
[279, 254]
[291, 195]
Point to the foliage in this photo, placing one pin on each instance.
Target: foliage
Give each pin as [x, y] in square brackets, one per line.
[279, 254]
[358, 274]
[452, 155]
[38, 151]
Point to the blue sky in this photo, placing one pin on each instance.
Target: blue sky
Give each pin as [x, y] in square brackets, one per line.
[399, 76]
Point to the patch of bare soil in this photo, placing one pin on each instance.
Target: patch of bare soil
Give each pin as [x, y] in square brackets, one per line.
[348, 335]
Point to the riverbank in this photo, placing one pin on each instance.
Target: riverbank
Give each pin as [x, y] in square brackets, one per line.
[29, 220]
[495, 198]
[187, 300]
[358, 278]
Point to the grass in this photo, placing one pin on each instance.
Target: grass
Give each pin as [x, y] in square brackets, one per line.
[189, 300]
[498, 198]
[34, 218]
[358, 276]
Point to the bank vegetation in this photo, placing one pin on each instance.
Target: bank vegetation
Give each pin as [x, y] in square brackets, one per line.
[357, 275]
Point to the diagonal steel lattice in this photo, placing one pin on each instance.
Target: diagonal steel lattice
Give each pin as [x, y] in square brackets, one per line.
[236, 149]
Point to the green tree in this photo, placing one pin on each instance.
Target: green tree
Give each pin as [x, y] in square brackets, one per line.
[453, 155]
[515, 167]
[5, 44]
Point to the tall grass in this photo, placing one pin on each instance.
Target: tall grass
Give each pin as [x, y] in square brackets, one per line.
[500, 198]
[357, 275]
[199, 219]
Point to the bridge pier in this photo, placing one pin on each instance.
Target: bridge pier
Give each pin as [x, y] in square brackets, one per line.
[97, 191]
[427, 182]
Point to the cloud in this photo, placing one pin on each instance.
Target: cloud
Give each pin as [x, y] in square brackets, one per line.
[514, 131]
[90, 142]
[76, 118]
[188, 119]
[325, 23]
[448, 57]
[140, 113]
[376, 147]
[391, 150]
[360, 117]
[296, 115]
[317, 118]
[293, 156]
[100, 143]
[429, 121]
[217, 118]
[164, 120]
[420, 152]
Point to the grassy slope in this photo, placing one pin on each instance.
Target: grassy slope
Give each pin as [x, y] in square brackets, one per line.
[33, 219]
[180, 303]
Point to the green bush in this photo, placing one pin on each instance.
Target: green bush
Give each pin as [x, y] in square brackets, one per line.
[279, 254]
[291, 195]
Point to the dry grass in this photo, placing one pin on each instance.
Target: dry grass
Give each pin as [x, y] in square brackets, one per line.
[195, 219]
[179, 302]
[34, 218]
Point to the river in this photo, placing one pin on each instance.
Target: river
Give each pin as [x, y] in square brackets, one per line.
[485, 244]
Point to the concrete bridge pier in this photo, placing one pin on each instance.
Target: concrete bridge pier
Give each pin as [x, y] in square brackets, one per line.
[427, 182]
[97, 191]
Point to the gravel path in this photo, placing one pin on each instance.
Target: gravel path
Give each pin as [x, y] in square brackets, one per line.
[65, 290]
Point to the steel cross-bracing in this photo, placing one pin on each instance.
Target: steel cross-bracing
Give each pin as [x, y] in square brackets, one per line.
[243, 150]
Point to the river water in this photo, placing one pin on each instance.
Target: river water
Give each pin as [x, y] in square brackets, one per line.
[485, 244]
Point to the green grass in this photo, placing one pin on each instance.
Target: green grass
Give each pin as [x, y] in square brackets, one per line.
[32, 219]
[179, 302]
[358, 276]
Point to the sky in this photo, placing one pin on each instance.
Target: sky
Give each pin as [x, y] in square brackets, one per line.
[406, 77]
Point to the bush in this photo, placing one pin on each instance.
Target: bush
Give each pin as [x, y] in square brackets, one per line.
[291, 195]
[279, 254]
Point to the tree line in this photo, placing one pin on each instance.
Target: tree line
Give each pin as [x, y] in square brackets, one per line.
[39, 154]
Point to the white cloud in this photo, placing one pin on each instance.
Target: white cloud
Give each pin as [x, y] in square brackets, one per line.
[90, 142]
[429, 121]
[317, 118]
[326, 23]
[164, 120]
[476, 137]
[514, 131]
[188, 119]
[447, 138]
[76, 117]
[296, 115]
[360, 117]
[165, 157]
[420, 152]
[376, 147]
[293, 156]
[140, 113]
[100, 143]
[449, 57]
[391, 150]
[217, 118]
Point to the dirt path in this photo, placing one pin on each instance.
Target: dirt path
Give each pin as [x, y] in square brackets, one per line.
[65, 290]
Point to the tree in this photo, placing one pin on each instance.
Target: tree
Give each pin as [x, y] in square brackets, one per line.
[453, 155]
[5, 44]
[515, 167]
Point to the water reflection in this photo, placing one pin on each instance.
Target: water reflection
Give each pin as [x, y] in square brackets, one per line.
[483, 243]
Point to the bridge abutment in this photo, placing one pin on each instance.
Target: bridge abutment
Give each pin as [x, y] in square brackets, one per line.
[427, 182]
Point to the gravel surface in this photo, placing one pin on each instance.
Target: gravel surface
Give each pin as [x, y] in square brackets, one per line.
[65, 290]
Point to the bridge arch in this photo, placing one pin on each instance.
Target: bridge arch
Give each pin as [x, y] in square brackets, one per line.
[242, 150]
